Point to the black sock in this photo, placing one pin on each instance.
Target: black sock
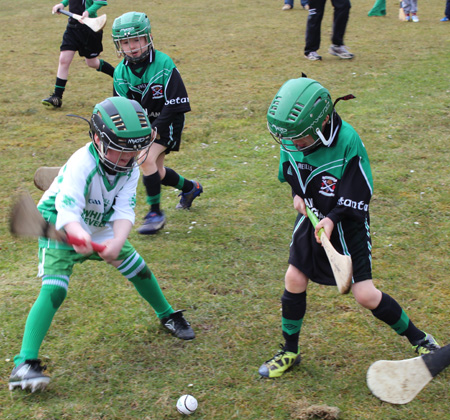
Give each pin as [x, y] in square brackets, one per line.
[293, 309]
[152, 184]
[171, 179]
[390, 312]
[60, 86]
[106, 68]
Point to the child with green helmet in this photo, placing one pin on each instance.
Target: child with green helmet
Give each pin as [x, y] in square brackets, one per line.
[325, 163]
[93, 200]
[150, 77]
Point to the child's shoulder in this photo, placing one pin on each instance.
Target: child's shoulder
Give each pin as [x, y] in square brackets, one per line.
[161, 57]
[348, 132]
[83, 159]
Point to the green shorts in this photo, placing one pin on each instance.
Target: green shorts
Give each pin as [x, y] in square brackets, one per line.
[61, 261]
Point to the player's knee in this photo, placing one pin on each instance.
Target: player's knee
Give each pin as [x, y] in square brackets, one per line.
[93, 63]
[64, 62]
[55, 294]
[295, 281]
[367, 295]
[58, 296]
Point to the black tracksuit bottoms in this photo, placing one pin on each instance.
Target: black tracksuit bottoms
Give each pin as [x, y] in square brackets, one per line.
[340, 19]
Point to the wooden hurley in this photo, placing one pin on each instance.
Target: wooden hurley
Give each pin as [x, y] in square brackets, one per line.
[340, 264]
[96, 24]
[44, 176]
[398, 382]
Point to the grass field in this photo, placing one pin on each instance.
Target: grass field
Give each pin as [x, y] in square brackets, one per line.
[224, 260]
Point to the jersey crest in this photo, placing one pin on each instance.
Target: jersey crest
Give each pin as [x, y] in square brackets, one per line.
[157, 91]
[328, 185]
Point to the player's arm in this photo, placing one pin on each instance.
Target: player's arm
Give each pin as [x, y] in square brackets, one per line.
[299, 204]
[123, 217]
[96, 5]
[75, 230]
[354, 192]
[70, 200]
[58, 6]
[121, 228]
[176, 102]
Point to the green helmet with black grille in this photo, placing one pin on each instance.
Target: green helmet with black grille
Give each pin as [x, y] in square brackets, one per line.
[299, 109]
[122, 126]
[132, 25]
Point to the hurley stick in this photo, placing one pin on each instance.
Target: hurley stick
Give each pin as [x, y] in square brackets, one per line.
[44, 176]
[340, 264]
[96, 24]
[25, 220]
[398, 382]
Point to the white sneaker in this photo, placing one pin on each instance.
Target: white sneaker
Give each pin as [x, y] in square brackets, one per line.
[340, 51]
[415, 18]
[313, 56]
[286, 7]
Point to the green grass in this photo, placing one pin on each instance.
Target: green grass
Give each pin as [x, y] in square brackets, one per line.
[224, 260]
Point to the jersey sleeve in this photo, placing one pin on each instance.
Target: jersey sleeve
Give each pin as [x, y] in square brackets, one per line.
[125, 201]
[283, 159]
[120, 85]
[176, 101]
[70, 200]
[355, 187]
[96, 5]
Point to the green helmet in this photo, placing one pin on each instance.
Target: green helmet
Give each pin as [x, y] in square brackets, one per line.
[132, 25]
[121, 125]
[299, 109]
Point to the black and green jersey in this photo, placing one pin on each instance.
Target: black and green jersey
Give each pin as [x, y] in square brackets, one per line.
[79, 6]
[157, 85]
[335, 181]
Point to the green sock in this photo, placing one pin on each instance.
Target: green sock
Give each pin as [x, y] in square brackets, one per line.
[180, 183]
[39, 319]
[135, 270]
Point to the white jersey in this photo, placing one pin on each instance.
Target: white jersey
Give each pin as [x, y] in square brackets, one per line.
[83, 192]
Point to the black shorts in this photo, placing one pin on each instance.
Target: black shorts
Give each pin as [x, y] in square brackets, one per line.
[171, 136]
[350, 238]
[79, 37]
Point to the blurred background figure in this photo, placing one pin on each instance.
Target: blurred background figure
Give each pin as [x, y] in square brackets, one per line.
[289, 4]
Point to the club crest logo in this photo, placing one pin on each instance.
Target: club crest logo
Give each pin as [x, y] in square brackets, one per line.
[157, 91]
[328, 186]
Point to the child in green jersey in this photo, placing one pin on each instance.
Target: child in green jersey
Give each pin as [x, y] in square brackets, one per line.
[78, 37]
[325, 163]
[151, 78]
[93, 199]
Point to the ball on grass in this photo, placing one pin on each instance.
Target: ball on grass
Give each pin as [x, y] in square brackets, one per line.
[187, 404]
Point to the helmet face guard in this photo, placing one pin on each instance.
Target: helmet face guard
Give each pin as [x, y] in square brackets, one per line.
[299, 109]
[128, 26]
[123, 129]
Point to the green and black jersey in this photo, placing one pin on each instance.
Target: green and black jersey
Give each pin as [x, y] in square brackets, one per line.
[335, 182]
[157, 85]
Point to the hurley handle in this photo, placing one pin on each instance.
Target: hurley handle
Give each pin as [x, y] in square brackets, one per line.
[71, 240]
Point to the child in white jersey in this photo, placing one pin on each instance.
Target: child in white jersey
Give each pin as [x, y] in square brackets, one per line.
[93, 199]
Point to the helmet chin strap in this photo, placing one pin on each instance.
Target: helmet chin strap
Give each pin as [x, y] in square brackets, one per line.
[322, 137]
